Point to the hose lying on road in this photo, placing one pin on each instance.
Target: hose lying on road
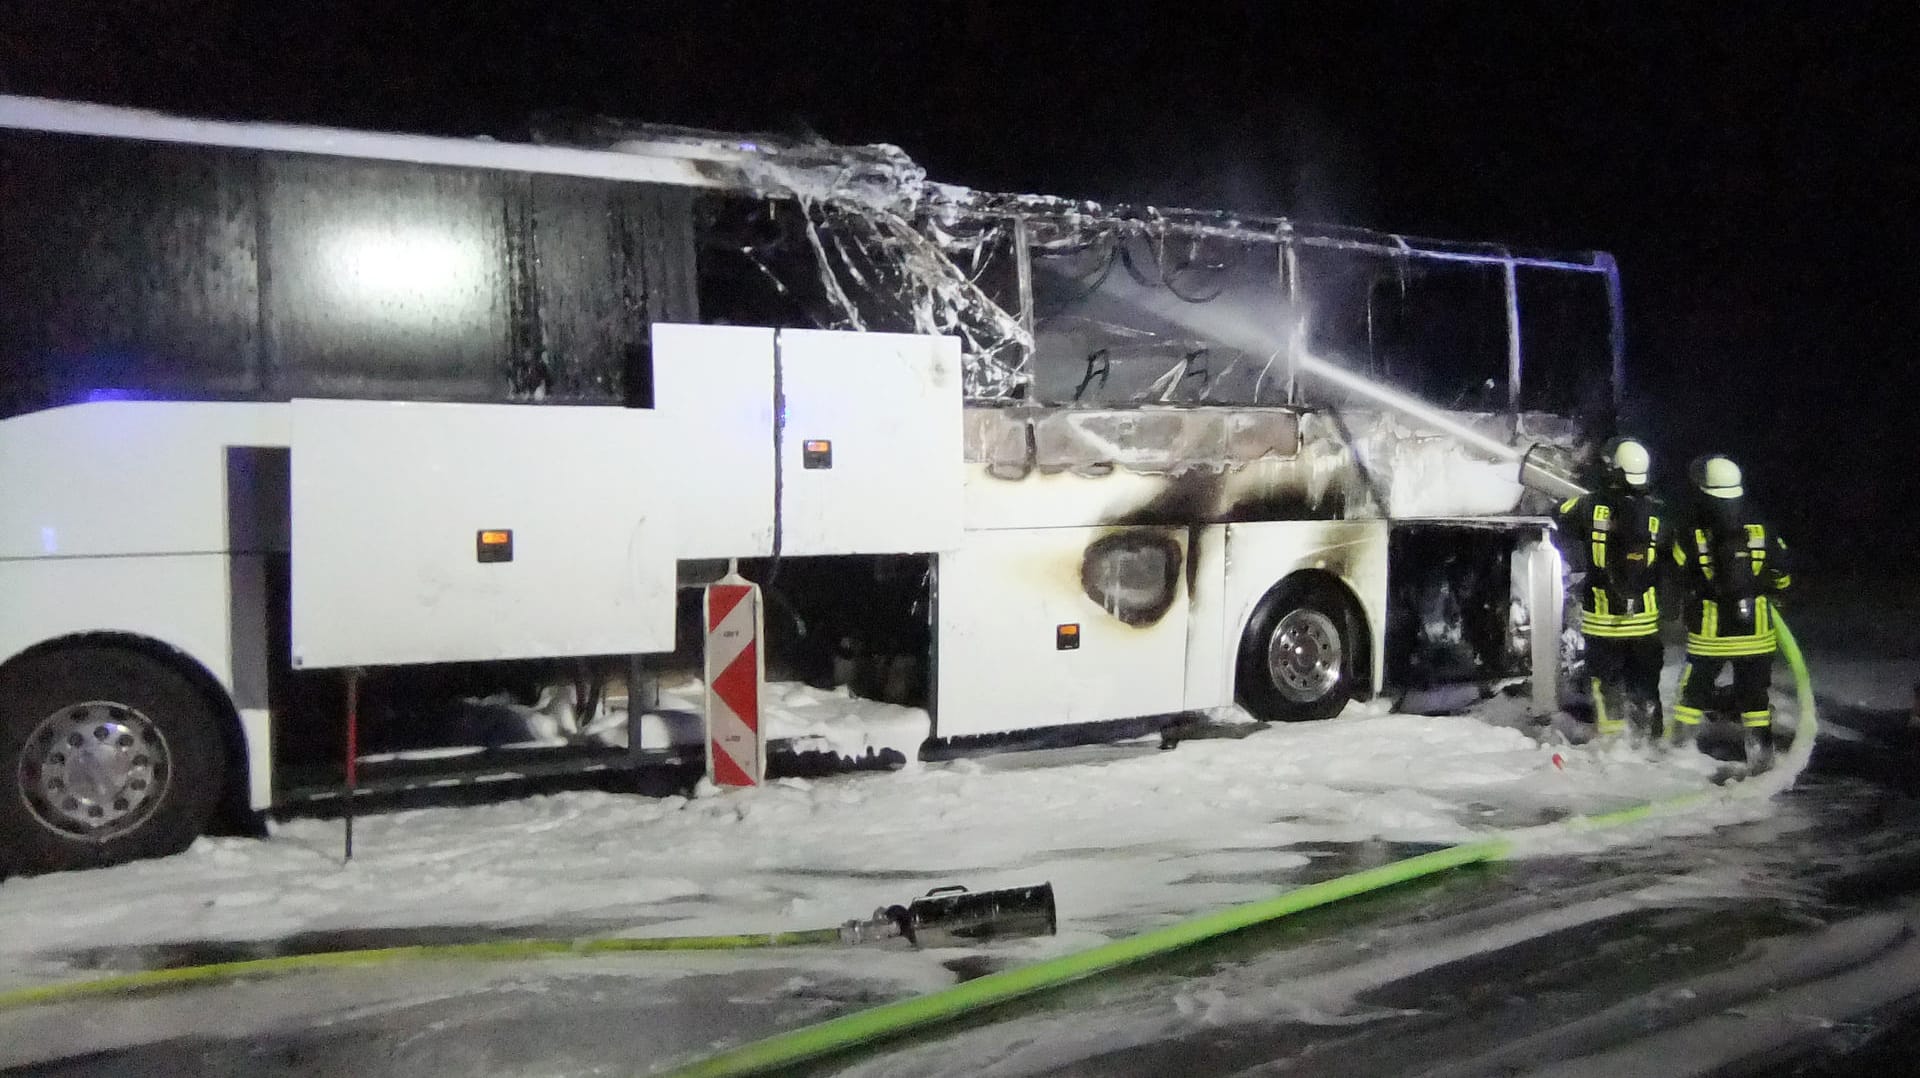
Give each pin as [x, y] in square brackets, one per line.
[493, 950]
[892, 1019]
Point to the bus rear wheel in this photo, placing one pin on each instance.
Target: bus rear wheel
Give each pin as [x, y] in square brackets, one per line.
[1298, 654]
[106, 756]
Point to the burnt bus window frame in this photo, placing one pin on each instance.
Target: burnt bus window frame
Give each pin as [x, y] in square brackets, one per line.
[1362, 310]
[1430, 342]
[1568, 361]
[1124, 319]
[257, 351]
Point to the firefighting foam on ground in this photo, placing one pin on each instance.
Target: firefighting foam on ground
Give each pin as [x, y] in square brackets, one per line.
[645, 533]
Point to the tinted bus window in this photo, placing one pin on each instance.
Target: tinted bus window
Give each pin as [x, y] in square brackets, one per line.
[600, 261]
[149, 270]
[127, 269]
[385, 279]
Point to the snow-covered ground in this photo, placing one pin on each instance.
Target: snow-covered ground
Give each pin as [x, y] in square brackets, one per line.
[1130, 836]
[804, 718]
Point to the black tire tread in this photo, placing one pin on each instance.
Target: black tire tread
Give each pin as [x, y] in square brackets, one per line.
[1253, 688]
[38, 684]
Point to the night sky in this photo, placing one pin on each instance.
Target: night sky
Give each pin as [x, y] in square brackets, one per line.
[1752, 167]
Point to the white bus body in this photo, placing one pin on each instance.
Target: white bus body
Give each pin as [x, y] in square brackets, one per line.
[1084, 563]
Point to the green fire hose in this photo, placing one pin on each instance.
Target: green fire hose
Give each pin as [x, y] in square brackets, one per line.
[494, 950]
[893, 1019]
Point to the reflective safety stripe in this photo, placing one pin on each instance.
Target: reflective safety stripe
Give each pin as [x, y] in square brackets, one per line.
[1690, 716]
[1783, 581]
[1756, 718]
[1600, 529]
[1601, 720]
[1722, 647]
[1623, 629]
[1709, 641]
[1567, 506]
[1602, 621]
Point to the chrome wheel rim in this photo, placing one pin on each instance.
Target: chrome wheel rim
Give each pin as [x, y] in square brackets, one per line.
[94, 770]
[1304, 656]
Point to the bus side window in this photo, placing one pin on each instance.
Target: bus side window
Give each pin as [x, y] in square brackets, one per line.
[128, 270]
[385, 279]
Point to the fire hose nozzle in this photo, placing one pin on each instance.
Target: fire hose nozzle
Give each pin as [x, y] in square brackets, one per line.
[1545, 469]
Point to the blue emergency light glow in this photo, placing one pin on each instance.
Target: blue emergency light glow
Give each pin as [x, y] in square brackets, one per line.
[95, 396]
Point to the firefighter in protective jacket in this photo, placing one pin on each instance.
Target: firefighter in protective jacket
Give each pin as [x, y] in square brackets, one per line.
[1734, 565]
[1616, 536]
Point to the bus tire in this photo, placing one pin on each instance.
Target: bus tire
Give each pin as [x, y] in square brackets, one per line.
[1298, 654]
[106, 756]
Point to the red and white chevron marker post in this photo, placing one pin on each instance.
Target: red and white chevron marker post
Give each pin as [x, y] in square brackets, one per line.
[736, 680]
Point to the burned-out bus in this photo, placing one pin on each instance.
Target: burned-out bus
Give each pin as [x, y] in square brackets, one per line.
[284, 408]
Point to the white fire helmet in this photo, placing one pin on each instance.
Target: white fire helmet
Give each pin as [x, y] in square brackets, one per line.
[1717, 476]
[1629, 459]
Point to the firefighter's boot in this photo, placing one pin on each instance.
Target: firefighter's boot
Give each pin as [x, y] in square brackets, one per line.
[1686, 726]
[1759, 727]
[1643, 723]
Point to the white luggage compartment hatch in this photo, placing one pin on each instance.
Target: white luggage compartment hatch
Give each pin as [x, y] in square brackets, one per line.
[1024, 642]
[390, 501]
[871, 458]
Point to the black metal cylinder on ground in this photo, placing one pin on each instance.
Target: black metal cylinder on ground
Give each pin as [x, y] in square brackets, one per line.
[955, 916]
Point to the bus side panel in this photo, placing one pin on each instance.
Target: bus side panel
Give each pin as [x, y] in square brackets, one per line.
[1209, 652]
[714, 387]
[179, 600]
[870, 445]
[468, 532]
[117, 478]
[1260, 555]
[1023, 644]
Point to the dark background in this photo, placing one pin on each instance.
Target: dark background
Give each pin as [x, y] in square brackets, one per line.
[1752, 166]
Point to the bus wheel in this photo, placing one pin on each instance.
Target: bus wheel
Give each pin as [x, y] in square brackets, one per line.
[1296, 659]
[106, 756]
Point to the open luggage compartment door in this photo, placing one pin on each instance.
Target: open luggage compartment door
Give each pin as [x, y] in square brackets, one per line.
[466, 532]
[871, 460]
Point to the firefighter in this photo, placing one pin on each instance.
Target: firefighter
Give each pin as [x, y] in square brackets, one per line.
[1616, 535]
[1733, 565]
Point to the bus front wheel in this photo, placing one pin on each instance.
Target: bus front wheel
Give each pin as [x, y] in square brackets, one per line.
[1298, 654]
[106, 756]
